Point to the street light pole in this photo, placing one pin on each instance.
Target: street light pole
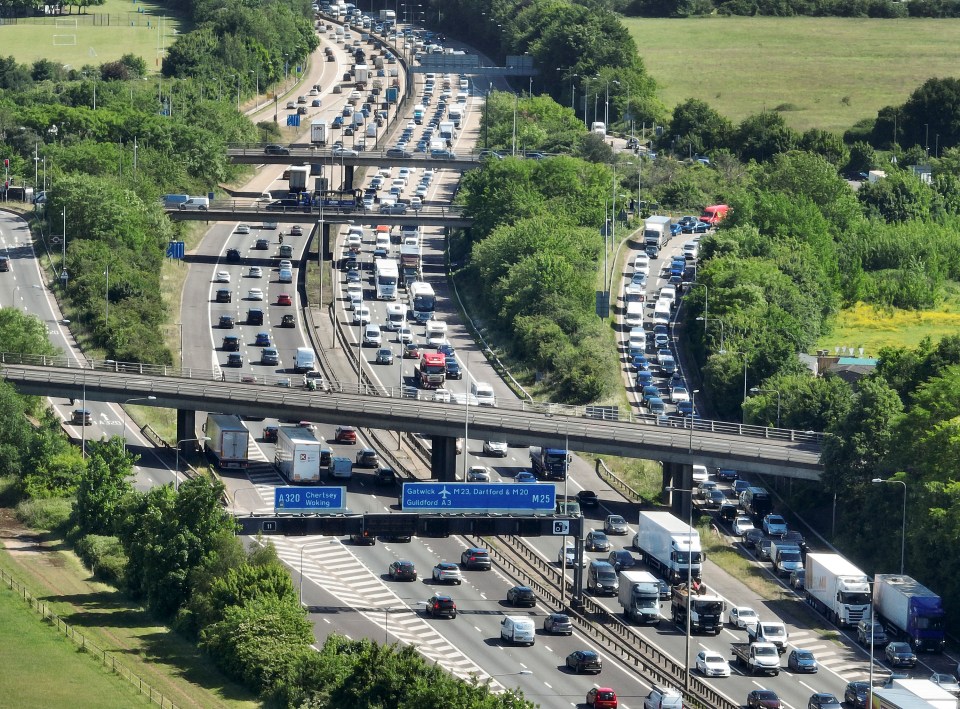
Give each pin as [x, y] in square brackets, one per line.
[706, 312]
[176, 471]
[757, 390]
[690, 531]
[903, 523]
[693, 400]
[123, 416]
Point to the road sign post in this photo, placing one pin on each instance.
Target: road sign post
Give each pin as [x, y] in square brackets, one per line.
[309, 500]
[479, 498]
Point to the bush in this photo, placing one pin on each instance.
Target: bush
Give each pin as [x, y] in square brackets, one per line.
[51, 513]
[103, 556]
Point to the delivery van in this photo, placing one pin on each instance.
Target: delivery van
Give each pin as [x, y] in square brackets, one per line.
[598, 127]
[517, 630]
[305, 360]
[341, 467]
[484, 393]
[195, 203]
[634, 315]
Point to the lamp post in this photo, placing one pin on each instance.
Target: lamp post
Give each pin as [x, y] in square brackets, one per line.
[686, 652]
[706, 314]
[124, 434]
[721, 329]
[903, 522]
[176, 471]
[238, 92]
[257, 72]
[757, 390]
[693, 400]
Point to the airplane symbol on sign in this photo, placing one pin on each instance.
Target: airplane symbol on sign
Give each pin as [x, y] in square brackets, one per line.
[445, 493]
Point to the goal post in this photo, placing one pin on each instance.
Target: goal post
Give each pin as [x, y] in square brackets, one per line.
[64, 40]
[66, 22]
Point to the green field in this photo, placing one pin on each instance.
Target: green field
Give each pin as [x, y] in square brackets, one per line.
[129, 32]
[43, 669]
[832, 71]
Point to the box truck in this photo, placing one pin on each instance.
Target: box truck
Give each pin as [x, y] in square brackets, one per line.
[837, 588]
[640, 596]
[297, 455]
[656, 231]
[706, 609]
[228, 441]
[900, 698]
[668, 545]
[299, 178]
[361, 75]
[318, 131]
[910, 609]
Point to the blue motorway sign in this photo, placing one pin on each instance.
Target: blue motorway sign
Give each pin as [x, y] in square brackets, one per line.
[306, 500]
[519, 498]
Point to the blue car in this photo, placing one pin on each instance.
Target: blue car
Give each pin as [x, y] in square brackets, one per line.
[685, 408]
[263, 339]
[337, 122]
[640, 362]
[675, 229]
[650, 392]
[701, 228]
[447, 349]
[644, 378]
[525, 476]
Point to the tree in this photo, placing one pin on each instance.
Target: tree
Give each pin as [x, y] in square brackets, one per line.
[695, 122]
[761, 136]
[103, 485]
[827, 144]
[898, 197]
[22, 333]
[933, 109]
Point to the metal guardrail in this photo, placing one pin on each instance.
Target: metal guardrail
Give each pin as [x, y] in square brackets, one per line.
[551, 410]
[609, 477]
[306, 151]
[266, 209]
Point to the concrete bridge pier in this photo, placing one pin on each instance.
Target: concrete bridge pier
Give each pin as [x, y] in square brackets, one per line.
[186, 430]
[679, 476]
[348, 177]
[443, 458]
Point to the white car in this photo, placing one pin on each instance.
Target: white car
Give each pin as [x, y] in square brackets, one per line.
[569, 551]
[712, 664]
[442, 395]
[285, 263]
[497, 448]
[341, 152]
[678, 394]
[354, 241]
[743, 617]
[774, 525]
[221, 277]
[478, 474]
[447, 572]
[361, 315]
[242, 229]
[255, 294]
[255, 272]
[741, 525]
[404, 335]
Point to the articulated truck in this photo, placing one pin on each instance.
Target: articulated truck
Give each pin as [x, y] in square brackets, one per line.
[549, 463]
[639, 596]
[912, 611]
[837, 588]
[706, 609]
[297, 455]
[668, 546]
[228, 441]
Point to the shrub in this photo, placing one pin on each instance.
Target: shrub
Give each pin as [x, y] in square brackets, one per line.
[103, 556]
[51, 513]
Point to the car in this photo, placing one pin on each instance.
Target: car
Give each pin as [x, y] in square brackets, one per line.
[411, 350]
[446, 349]
[367, 458]
[353, 276]
[743, 616]
[475, 558]
[662, 696]
[707, 486]
[798, 580]
[284, 299]
[447, 572]
[398, 153]
[678, 394]
[567, 555]
[255, 272]
[261, 245]
[478, 474]
[444, 397]
[712, 664]
[602, 698]
[405, 335]
[226, 322]
[900, 654]
[384, 356]
[262, 339]
[296, 230]
[763, 549]
[341, 152]
[316, 103]
[741, 525]
[525, 476]
[739, 486]
[856, 693]
[823, 700]
[453, 369]
[361, 315]
[946, 682]
[337, 122]
[774, 525]
[285, 264]
[495, 448]
[255, 294]
[752, 538]
[621, 559]
[270, 433]
[729, 510]
[81, 417]
[763, 699]
[558, 624]
[802, 661]
[221, 277]
[615, 524]
[363, 538]
[254, 316]
[242, 229]
[277, 149]
[234, 359]
[588, 498]
[395, 208]
[288, 321]
[727, 474]
[713, 499]
[440, 606]
[231, 343]
[301, 99]
[233, 255]
[584, 661]
[596, 541]
[345, 434]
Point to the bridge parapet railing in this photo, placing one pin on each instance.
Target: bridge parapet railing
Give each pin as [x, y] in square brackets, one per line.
[563, 412]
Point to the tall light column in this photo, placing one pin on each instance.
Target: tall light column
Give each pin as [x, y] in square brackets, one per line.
[124, 417]
[903, 521]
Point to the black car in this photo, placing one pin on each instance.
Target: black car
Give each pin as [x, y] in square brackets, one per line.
[900, 654]
[270, 434]
[584, 661]
[234, 359]
[231, 343]
[752, 538]
[521, 596]
[727, 474]
[288, 321]
[441, 607]
[226, 322]
[402, 570]
[233, 254]
[823, 700]
[558, 624]
[856, 694]
[386, 476]
[621, 560]
[276, 150]
[364, 538]
[254, 316]
[261, 244]
[453, 369]
[728, 511]
[475, 558]
[588, 498]
[224, 295]
[81, 417]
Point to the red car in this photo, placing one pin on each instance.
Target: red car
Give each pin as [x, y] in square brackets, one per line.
[284, 299]
[763, 699]
[345, 434]
[602, 698]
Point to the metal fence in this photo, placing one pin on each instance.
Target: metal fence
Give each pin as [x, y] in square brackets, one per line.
[97, 19]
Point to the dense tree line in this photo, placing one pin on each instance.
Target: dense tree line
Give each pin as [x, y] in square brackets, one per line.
[790, 8]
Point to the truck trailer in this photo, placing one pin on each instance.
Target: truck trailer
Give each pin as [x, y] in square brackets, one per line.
[639, 596]
[899, 698]
[668, 545]
[228, 441]
[912, 611]
[299, 178]
[318, 131]
[297, 455]
[549, 463]
[837, 588]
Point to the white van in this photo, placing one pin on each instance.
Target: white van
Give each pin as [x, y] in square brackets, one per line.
[641, 263]
[634, 293]
[371, 130]
[661, 313]
[637, 338]
[194, 203]
[518, 630]
[668, 293]
[372, 336]
[305, 360]
[598, 127]
[396, 315]
[484, 393]
[383, 241]
[634, 315]
[341, 467]
[436, 332]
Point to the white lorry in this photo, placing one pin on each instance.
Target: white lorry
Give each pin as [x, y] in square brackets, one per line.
[299, 177]
[639, 596]
[668, 545]
[837, 588]
[656, 231]
[318, 131]
[898, 697]
[297, 455]
[228, 441]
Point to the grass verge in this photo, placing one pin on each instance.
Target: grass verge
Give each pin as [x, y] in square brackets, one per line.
[823, 72]
[644, 476]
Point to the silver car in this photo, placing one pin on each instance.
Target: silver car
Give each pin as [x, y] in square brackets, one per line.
[447, 572]
[497, 448]
[478, 474]
[615, 524]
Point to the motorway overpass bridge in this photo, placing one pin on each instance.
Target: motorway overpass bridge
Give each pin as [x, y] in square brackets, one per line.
[306, 154]
[602, 430]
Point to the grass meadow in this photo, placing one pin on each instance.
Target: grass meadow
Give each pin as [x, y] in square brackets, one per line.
[73, 39]
[829, 72]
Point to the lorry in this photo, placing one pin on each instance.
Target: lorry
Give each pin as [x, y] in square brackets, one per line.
[228, 441]
[837, 588]
[410, 256]
[706, 609]
[667, 545]
[297, 455]
[431, 369]
[549, 463]
[923, 690]
[656, 231]
[418, 112]
[318, 131]
[447, 131]
[299, 178]
[640, 596]
[769, 631]
[785, 556]
[455, 114]
[913, 612]
[388, 16]
[757, 658]
[361, 75]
